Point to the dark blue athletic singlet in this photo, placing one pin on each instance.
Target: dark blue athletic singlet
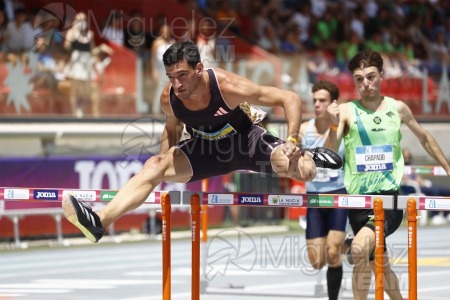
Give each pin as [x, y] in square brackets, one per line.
[222, 140]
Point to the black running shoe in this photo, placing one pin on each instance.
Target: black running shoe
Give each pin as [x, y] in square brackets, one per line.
[325, 158]
[82, 216]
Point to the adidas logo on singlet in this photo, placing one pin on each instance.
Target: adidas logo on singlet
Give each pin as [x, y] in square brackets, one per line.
[220, 112]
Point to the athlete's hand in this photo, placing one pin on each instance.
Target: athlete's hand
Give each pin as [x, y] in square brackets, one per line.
[291, 150]
[333, 111]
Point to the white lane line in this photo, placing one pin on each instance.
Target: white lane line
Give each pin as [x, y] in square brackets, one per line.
[34, 291]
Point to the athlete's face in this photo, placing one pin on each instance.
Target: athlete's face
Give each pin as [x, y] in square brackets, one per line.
[368, 82]
[322, 100]
[184, 79]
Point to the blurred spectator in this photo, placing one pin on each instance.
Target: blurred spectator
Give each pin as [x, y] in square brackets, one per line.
[227, 17]
[414, 33]
[325, 31]
[19, 33]
[3, 30]
[439, 55]
[259, 21]
[206, 41]
[114, 30]
[380, 23]
[36, 20]
[49, 70]
[357, 20]
[189, 32]
[320, 64]
[80, 41]
[159, 46]
[290, 43]
[302, 17]
[347, 49]
[245, 20]
[137, 38]
[270, 41]
[376, 43]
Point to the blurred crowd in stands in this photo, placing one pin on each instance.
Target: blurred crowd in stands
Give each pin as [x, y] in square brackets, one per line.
[413, 35]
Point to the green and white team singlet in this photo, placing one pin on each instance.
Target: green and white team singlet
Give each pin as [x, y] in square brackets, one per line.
[373, 157]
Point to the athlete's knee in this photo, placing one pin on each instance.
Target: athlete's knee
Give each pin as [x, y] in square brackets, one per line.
[360, 254]
[315, 258]
[333, 256]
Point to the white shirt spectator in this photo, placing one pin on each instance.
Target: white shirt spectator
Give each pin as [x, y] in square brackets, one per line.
[19, 39]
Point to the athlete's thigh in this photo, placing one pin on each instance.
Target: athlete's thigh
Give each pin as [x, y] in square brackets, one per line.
[364, 239]
[176, 165]
[315, 223]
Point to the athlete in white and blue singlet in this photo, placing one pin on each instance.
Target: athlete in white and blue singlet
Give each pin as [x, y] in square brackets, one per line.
[325, 227]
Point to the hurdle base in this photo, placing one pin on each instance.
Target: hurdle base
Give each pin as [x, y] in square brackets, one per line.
[203, 286]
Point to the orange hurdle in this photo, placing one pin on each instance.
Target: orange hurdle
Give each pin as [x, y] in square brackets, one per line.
[379, 248]
[412, 248]
[165, 216]
[195, 213]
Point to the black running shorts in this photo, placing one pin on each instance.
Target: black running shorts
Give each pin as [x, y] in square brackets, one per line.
[245, 150]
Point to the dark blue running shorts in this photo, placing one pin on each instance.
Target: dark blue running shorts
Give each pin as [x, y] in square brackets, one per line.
[319, 221]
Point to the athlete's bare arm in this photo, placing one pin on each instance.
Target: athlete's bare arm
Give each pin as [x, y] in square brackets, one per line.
[428, 142]
[236, 89]
[340, 116]
[172, 131]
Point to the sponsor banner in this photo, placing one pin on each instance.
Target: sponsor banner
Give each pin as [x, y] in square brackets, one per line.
[82, 195]
[45, 194]
[107, 195]
[19, 194]
[352, 201]
[84, 173]
[438, 204]
[225, 199]
[251, 199]
[286, 200]
[320, 201]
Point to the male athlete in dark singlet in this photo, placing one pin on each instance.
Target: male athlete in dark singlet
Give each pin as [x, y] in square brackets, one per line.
[214, 106]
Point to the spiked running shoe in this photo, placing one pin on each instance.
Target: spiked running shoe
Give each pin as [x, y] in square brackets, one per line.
[325, 158]
[82, 216]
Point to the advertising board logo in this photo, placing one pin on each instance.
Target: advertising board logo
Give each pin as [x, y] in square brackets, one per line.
[251, 199]
[286, 200]
[440, 204]
[21, 194]
[320, 201]
[220, 199]
[82, 195]
[107, 195]
[351, 201]
[45, 194]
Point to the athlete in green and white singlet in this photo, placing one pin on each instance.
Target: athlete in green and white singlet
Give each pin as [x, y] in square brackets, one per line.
[373, 147]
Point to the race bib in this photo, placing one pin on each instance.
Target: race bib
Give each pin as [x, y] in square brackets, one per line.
[378, 158]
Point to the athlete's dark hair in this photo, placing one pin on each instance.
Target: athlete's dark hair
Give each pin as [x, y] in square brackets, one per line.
[328, 86]
[182, 51]
[365, 59]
